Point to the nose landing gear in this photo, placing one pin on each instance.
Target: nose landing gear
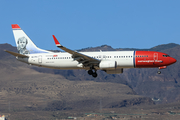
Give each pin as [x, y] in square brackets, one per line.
[162, 67]
[159, 72]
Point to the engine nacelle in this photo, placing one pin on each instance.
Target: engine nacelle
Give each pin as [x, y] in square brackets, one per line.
[106, 65]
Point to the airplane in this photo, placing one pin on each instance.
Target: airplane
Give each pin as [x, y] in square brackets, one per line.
[112, 62]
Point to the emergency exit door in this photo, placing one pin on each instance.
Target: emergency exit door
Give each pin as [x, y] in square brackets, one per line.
[40, 59]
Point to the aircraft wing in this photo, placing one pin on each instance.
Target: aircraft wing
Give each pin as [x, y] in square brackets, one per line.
[16, 54]
[87, 61]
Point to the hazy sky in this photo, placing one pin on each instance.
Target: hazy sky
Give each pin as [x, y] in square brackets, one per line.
[89, 23]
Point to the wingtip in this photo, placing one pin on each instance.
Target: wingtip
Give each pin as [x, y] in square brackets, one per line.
[56, 41]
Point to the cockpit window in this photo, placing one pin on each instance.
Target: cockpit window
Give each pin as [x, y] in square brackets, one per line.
[166, 56]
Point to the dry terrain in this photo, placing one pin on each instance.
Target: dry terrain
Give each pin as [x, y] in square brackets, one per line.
[33, 93]
[24, 90]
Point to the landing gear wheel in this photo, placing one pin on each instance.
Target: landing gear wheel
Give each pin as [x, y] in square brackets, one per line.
[159, 72]
[94, 74]
[90, 72]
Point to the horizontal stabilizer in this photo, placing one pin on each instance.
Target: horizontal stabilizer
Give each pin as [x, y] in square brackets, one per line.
[16, 54]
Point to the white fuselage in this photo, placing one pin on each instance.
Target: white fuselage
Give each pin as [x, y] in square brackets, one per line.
[64, 60]
[112, 62]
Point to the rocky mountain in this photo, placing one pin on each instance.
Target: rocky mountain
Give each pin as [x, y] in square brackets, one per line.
[165, 86]
[29, 88]
[54, 87]
[109, 48]
[146, 82]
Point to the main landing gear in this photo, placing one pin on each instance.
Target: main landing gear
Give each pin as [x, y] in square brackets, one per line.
[92, 72]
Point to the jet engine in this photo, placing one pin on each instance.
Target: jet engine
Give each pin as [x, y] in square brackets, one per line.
[107, 65]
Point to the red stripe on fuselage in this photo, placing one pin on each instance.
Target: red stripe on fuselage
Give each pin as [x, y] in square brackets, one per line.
[148, 59]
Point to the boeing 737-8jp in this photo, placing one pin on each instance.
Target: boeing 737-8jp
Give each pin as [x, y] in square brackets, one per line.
[112, 62]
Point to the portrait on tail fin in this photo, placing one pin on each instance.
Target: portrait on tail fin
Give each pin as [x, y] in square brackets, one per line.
[21, 45]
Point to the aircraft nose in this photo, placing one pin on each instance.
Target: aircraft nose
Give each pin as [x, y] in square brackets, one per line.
[172, 60]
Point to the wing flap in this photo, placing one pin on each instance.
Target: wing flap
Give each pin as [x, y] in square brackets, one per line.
[16, 54]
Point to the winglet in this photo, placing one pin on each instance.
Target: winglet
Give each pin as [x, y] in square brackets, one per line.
[56, 41]
[15, 26]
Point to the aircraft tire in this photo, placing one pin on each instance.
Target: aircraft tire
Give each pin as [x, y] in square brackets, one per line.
[94, 75]
[90, 72]
[159, 72]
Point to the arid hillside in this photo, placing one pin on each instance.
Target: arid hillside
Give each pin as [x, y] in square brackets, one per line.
[23, 87]
[26, 88]
[146, 82]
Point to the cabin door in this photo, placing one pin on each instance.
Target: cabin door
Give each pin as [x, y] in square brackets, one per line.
[40, 59]
[155, 56]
